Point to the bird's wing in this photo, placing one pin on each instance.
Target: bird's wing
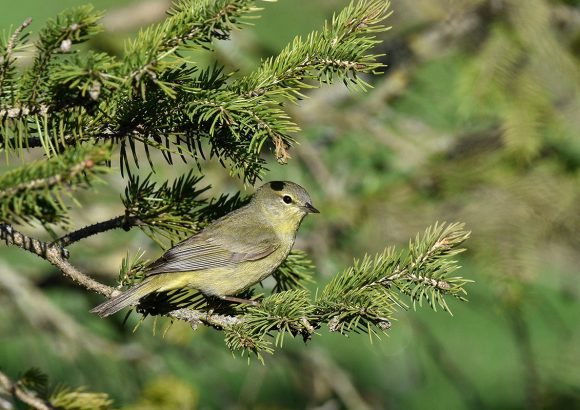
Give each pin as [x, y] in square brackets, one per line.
[208, 250]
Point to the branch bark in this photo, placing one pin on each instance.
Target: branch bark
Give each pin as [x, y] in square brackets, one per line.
[57, 256]
[21, 112]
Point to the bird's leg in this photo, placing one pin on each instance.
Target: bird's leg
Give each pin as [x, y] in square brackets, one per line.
[208, 314]
[239, 300]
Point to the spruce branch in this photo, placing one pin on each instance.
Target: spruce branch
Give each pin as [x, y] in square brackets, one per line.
[208, 20]
[19, 391]
[364, 298]
[172, 210]
[363, 294]
[57, 37]
[250, 121]
[238, 122]
[7, 60]
[190, 23]
[340, 49]
[281, 313]
[32, 389]
[37, 190]
[425, 274]
[202, 114]
[66, 98]
[165, 211]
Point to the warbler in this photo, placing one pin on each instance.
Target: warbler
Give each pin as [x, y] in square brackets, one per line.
[231, 254]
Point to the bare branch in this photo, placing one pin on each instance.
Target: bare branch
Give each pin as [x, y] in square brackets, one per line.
[196, 317]
[123, 221]
[56, 256]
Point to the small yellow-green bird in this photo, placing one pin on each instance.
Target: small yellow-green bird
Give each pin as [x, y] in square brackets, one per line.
[232, 254]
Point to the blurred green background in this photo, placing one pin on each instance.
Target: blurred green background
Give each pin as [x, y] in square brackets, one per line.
[476, 119]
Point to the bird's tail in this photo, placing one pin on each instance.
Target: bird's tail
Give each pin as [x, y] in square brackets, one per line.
[127, 298]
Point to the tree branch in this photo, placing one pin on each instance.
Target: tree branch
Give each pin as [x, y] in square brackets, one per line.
[123, 221]
[441, 244]
[50, 181]
[7, 60]
[12, 42]
[190, 34]
[196, 317]
[56, 255]
[355, 300]
[20, 112]
[22, 394]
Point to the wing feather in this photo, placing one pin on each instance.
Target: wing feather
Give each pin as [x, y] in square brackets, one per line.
[218, 247]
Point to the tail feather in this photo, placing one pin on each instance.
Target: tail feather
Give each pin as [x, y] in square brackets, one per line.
[127, 298]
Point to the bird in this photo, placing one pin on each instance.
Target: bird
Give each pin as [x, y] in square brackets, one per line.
[231, 254]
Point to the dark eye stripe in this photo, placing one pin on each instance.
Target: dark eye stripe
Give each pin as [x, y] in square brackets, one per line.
[287, 199]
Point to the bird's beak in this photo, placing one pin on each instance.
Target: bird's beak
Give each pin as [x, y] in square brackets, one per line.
[310, 209]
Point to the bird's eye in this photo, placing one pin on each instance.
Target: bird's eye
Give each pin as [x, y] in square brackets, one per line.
[287, 199]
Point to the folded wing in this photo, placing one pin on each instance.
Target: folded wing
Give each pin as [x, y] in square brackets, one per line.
[214, 248]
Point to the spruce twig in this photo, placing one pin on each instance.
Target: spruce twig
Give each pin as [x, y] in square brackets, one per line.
[7, 62]
[25, 396]
[339, 49]
[37, 190]
[155, 98]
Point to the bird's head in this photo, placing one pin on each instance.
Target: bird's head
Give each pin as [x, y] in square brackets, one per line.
[284, 200]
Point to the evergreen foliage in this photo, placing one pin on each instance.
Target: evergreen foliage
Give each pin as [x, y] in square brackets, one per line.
[173, 210]
[513, 73]
[156, 98]
[37, 191]
[32, 388]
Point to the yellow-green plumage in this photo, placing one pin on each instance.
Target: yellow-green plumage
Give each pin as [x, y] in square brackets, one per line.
[230, 255]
